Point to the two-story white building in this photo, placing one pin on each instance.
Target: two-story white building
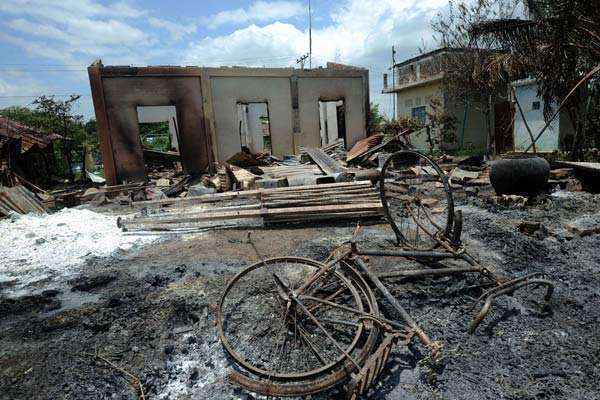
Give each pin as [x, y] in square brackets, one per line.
[416, 83]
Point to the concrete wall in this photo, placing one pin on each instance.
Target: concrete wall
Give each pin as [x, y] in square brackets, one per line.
[313, 89]
[206, 101]
[526, 94]
[475, 132]
[416, 96]
[228, 91]
[123, 95]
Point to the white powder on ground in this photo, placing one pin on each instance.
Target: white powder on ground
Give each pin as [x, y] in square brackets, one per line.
[35, 248]
[210, 364]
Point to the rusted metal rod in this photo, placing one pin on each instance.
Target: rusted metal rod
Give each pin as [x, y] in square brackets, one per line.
[327, 267]
[314, 319]
[304, 336]
[408, 254]
[362, 314]
[403, 313]
[413, 273]
[507, 290]
[339, 322]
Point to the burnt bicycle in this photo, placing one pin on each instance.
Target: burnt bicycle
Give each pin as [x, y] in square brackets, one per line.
[296, 326]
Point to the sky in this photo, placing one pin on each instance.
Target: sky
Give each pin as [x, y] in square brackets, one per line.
[46, 45]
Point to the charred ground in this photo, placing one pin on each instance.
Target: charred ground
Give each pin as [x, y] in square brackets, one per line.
[151, 312]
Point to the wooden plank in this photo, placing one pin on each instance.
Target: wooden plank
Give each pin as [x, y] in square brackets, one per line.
[592, 167]
[327, 164]
[29, 204]
[35, 202]
[181, 213]
[348, 191]
[247, 193]
[329, 196]
[225, 215]
[9, 202]
[321, 217]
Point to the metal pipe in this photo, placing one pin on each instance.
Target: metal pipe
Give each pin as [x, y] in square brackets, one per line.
[409, 253]
[429, 272]
[403, 313]
[363, 315]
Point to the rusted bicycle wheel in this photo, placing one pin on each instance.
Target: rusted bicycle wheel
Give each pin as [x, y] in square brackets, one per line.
[417, 200]
[278, 347]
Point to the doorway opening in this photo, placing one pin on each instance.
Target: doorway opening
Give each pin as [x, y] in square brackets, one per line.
[159, 135]
[254, 127]
[332, 121]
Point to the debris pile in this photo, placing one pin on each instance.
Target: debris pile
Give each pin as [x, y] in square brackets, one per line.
[25, 154]
[19, 200]
[356, 200]
[334, 333]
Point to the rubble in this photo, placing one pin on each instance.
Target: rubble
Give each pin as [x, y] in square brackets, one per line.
[510, 200]
[533, 228]
[19, 200]
[561, 173]
[356, 200]
[200, 189]
[585, 225]
[307, 285]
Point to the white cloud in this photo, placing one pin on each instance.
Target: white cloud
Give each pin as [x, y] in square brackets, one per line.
[32, 28]
[177, 30]
[67, 9]
[38, 49]
[73, 31]
[259, 11]
[83, 33]
[21, 90]
[362, 33]
[111, 32]
[252, 45]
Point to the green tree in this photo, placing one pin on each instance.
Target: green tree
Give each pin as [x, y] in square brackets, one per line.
[556, 42]
[156, 135]
[376, 119]
[59, 118]
[51, 115]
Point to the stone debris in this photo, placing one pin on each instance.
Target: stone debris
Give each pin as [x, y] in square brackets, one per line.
[585, 226]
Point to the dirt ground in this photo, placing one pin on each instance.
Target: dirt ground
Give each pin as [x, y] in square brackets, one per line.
[150, 311]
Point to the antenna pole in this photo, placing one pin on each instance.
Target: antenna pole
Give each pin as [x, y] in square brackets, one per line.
[309, 36]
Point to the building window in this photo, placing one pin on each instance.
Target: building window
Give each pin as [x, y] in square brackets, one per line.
[408, 103]
[418, 101]
[535, 105]
[419, 113]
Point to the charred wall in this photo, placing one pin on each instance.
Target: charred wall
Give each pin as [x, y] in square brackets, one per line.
[206, 98]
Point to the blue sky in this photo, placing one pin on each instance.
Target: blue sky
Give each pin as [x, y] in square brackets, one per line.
[46, 45]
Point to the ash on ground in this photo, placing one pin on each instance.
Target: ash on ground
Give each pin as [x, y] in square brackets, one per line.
[149, 309]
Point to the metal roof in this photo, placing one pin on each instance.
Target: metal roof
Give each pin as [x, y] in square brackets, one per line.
[29, 136]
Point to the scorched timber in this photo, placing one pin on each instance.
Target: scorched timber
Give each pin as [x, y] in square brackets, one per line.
[257, 194]
[374, 208]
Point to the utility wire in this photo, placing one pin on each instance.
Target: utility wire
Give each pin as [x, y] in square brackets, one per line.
[44, 94]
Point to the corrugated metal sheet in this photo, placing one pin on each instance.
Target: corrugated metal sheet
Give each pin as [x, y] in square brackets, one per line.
[20, 200]
[29, 136]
